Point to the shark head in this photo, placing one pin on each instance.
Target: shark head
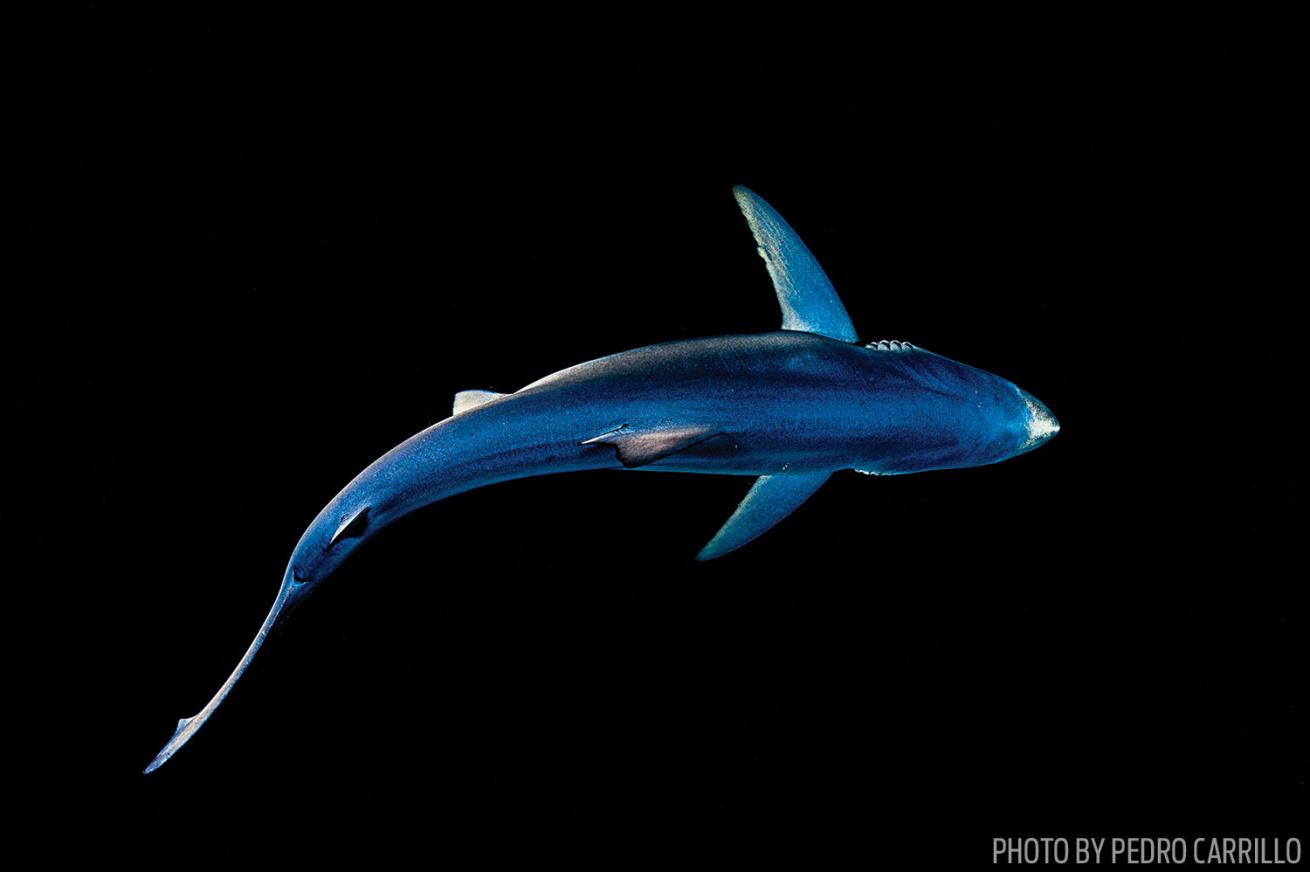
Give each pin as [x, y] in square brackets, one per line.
[1036, 423]
[948, 414]
[1018, 421]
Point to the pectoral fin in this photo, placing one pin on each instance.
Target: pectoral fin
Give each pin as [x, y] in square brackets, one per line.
[638, 446]
[770, 499]
[809, 302]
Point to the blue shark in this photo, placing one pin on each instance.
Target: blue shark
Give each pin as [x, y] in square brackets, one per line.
[790, 407]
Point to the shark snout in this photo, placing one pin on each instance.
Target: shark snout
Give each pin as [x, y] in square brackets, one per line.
[1042, 425]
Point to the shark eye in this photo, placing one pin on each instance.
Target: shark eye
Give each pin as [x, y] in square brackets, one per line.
[352, 527]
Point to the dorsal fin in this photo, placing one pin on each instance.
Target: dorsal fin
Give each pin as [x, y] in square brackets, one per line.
[465, 400]
[809, 302]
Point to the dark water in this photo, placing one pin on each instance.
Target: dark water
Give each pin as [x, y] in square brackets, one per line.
[278, 248]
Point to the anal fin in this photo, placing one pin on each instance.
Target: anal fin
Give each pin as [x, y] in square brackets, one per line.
[770, 499]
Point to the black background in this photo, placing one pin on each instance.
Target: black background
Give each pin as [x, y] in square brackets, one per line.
[279, 247]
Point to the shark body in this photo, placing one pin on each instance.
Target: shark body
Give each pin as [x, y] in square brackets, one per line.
[790, 407]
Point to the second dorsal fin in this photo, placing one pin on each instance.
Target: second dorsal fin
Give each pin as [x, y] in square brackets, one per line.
[465, 400]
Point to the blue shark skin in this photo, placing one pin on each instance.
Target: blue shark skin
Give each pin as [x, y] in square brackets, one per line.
[790, 407]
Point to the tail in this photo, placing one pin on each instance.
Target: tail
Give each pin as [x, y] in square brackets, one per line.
[186, 728]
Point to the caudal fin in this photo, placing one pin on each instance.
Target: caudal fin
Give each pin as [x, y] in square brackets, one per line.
[178, 738]
[186, 728]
